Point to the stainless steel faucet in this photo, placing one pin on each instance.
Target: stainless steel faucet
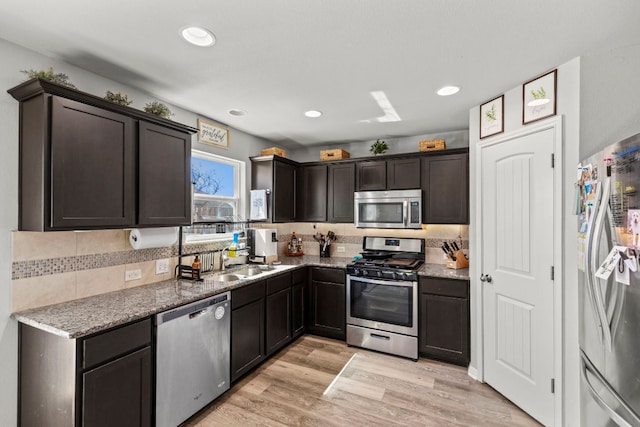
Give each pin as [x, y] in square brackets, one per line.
[223, 258]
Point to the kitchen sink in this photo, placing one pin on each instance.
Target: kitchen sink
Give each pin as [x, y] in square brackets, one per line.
[249, 271]
[228, 278]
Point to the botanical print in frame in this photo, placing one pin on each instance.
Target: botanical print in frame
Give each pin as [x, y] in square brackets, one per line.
[492, 117]
[213, 133]
[539, 97]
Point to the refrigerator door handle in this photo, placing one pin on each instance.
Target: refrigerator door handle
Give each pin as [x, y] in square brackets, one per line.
[597, 233]
[588, 368]
[589, 261]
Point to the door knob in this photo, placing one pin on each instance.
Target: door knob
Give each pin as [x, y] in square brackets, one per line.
[485, 278]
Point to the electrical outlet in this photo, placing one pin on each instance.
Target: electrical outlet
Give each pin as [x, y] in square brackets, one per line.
[132, 275]
[340, 249]
[162, 266]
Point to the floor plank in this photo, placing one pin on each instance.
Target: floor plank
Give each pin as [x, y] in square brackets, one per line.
[322, 382]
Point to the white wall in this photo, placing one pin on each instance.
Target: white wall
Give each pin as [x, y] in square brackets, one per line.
[609, 98]
[568, 105]
[14, 59]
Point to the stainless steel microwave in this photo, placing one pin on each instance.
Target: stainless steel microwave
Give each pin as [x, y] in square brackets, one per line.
[388, 209]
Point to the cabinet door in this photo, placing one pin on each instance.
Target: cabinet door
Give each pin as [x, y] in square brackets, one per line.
[403, 174]
[247, 338]
[164, 176]
[278, 320]
[312, 194]
[341, 186]
[118, 393]
[371, 175]
[445, 184]
[92, 167]
[284, 192]
[298, 296]
[328, 310]
[444, 328]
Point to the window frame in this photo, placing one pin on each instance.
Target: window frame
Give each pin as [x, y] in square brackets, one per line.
[239, 198]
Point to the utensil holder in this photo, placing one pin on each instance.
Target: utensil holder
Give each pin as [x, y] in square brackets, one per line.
[460, 262]
[324, 251]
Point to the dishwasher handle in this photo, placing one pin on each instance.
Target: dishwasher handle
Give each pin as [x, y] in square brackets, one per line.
[193, 310]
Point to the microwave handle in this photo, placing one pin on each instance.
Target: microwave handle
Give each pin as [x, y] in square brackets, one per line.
[405, 205]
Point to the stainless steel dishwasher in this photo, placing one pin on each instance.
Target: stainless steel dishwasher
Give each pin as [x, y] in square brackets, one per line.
[192, 358]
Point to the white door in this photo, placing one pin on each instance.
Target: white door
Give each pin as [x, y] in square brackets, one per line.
[517, 250]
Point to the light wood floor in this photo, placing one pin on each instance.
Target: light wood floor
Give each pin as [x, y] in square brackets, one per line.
[300, 386]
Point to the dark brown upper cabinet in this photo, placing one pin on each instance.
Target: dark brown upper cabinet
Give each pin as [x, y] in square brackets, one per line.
[86, 163]
[312, 193]
[164, 177]
[445, 183]
[340, 190]
[371, 175]
[279, 176]
[403, 174]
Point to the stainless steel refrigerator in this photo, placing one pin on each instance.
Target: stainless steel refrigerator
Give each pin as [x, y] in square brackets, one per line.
[608, 208]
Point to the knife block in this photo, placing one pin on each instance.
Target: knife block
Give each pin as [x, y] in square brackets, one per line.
[460, 262]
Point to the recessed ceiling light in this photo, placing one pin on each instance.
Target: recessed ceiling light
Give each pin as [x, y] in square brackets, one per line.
[237, 112]
[448, 90]
[313, 113]
[537, 102]
[198, 36]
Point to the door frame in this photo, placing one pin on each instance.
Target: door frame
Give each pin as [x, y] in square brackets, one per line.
[477, 371]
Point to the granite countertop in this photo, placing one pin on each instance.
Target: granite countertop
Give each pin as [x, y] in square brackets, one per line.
[441, 270]
[82, 317]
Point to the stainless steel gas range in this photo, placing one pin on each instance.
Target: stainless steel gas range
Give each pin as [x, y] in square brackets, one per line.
[382, 296]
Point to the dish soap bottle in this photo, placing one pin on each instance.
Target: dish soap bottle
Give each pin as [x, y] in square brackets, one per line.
[195, 268]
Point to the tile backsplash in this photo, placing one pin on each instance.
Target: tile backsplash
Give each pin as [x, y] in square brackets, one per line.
[54, 267]
[349, 238]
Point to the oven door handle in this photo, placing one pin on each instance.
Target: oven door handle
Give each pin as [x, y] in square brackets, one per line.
[385, 282]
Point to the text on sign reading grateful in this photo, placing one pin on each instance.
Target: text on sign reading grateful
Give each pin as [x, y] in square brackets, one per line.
[213, 133]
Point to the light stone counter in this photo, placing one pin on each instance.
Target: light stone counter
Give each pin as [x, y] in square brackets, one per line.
[82, 317]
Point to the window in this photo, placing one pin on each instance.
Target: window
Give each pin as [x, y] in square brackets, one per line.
[218, 193]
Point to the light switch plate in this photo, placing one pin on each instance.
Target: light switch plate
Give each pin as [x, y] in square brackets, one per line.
[340, 249]
[132, 275]
[162, 266]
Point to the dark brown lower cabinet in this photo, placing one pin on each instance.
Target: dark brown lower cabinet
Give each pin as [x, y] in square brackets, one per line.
[327, 309]
[101, 380]
[299, 292]
[444, 329]
[112, 394]
[278, 332]
[247, 328]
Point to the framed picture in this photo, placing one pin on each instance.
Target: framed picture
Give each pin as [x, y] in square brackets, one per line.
[539, 97]
[492, 117]
[213, 133]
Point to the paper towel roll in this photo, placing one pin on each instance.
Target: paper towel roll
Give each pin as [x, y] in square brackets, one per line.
[145, 238]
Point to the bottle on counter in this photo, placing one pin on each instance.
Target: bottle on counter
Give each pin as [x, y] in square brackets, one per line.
[195, 268]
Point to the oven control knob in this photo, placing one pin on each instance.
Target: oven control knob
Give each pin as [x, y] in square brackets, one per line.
[400, 276]
[356, 272]
[364, 273]
[379, 273]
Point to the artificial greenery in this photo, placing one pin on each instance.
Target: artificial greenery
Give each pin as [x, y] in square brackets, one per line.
[50, 75]
[159, 109]
[379, 147]
[118, 98]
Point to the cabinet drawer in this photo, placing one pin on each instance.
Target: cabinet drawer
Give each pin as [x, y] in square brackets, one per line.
[278, 283]
[117, 342]
[332, 275]
[247, 294]
[299, 276]
[445, 287]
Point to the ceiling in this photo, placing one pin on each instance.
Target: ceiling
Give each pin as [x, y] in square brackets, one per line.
[276, 59]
